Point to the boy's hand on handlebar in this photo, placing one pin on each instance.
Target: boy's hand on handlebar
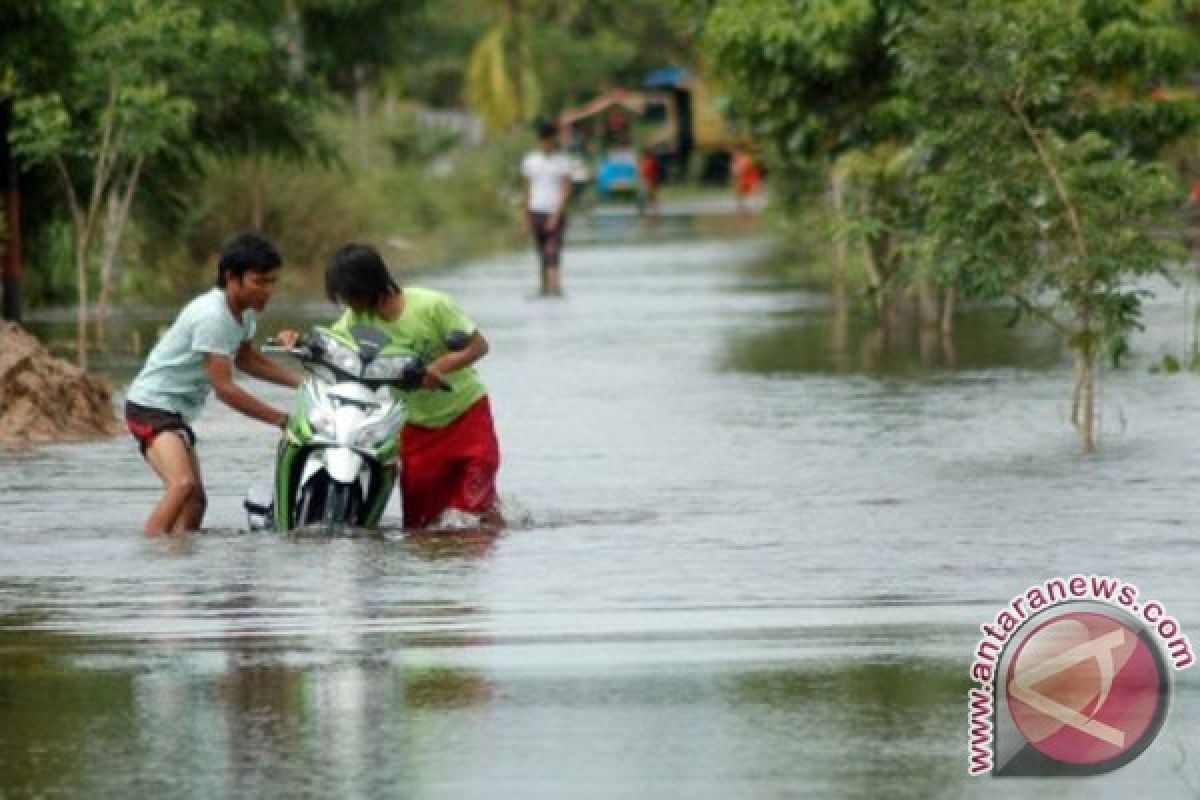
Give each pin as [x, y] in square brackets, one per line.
[434, 380]
[289, 339]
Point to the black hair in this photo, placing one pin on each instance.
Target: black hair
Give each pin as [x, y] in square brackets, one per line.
[357, 276]
[247, 252]
[545, 128]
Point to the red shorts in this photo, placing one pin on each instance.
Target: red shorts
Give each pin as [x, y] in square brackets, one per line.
[451, 467]
[147, 423]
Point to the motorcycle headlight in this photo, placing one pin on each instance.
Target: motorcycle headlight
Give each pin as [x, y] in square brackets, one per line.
[389, 368]
[338, 354]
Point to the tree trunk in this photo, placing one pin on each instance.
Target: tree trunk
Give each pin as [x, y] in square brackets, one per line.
[295, 41]
[927, 305]
[362, 111]
[516, 36]
[116, 217]
[875, 262]
[837, 201]
[81, 313]
[1084, 407]
[109, 248]
[10, 272]
[949, 298]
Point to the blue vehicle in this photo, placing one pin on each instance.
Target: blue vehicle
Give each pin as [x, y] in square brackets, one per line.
[617, 176]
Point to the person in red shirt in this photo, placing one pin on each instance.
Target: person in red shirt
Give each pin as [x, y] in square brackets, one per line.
[651, 176]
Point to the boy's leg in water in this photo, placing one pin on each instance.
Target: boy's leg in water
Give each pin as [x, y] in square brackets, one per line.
[193, 512]
[552, 251]
[553, 281]
[424, 489]
[170, 457]
[476, 465]
[537, 224]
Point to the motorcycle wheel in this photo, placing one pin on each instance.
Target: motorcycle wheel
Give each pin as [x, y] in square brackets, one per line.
[337, 509]
[304, 507]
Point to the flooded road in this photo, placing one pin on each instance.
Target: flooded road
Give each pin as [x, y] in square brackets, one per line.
[750, 559]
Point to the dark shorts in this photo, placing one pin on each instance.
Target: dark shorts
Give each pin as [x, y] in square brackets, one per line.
[147, 423]
[548, 242]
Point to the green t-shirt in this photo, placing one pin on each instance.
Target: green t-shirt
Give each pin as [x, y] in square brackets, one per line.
[427, 319]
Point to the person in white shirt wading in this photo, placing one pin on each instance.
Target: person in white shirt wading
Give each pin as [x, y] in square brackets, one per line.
[197, 355]
[547, 175]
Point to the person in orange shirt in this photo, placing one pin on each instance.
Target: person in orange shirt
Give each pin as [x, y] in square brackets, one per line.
[747, 176]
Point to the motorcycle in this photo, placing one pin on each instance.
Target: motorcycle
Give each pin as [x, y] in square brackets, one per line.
[338, 458]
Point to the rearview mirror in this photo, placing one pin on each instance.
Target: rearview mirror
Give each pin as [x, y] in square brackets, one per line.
[370, 340]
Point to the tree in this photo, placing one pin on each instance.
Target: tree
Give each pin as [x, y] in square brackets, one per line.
[818, 82]
[1044, 126]
[34, 51]
[116, 110]
[350, 44]
[152, 84]
[501, 85]
[548, 54]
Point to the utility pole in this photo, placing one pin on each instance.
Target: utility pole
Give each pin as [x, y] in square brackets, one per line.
[10, 270]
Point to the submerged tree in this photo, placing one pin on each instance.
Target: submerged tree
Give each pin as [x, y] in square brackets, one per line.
[818, 83]
[1045, 120]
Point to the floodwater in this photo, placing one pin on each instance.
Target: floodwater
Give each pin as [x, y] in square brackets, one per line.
[750, 557]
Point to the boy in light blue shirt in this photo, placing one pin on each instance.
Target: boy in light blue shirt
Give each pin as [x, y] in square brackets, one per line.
[197, 355]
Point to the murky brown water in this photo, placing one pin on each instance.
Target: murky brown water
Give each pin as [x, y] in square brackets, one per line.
[751, 557]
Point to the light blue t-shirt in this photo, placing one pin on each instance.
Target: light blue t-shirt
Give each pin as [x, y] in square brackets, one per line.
[174, 377]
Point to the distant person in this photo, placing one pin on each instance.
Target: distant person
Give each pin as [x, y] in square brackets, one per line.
[747, 177]
[448, 449]
[197, 354]
[651, 176]
[547, 193]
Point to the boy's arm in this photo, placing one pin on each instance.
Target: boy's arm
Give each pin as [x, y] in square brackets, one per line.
[477, 348]
[250, 361]
[220, 375]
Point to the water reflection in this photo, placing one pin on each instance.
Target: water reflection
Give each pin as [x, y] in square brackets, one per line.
[862, 729]
[833, 339]
[224, 701]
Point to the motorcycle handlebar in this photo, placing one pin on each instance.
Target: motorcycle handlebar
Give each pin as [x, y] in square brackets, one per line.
[273, 345]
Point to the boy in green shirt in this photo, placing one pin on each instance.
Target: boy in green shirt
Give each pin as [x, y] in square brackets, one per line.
[449, 452]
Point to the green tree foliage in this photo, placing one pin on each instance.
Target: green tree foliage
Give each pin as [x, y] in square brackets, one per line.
[34, 46]
[815, 79]
[500, 85]
[583, 47]
[1043, 123]
[35, 52]
[432, 70]
[818, 83]
[549, 54]
[151, 82]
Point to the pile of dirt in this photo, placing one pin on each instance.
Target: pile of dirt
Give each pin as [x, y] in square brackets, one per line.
[45, 399]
